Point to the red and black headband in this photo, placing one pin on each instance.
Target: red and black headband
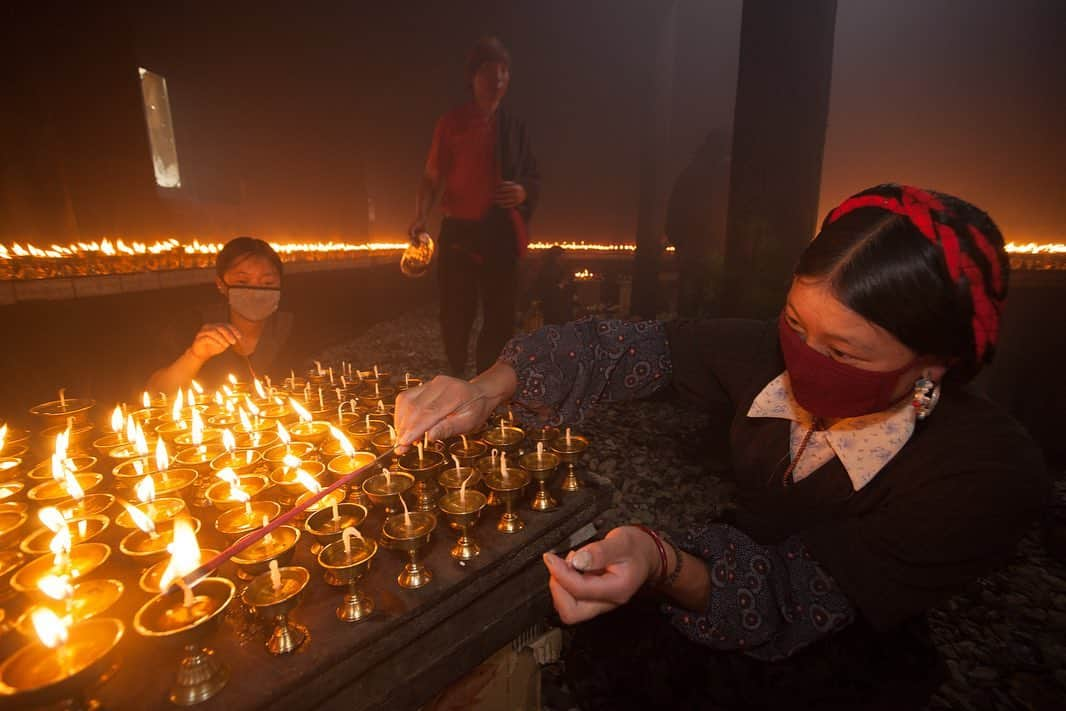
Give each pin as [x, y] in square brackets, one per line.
[933, 219]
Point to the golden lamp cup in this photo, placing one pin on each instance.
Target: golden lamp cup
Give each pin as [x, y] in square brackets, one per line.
[423, 466]
[159, 511]
[462, 509]
[77, 464]
[170, 430]
[289, 486]
[469, 452]
[184, 439]
[89, 505]
[385, 489]
[245, 518]
[259, 441]
[313, 433]
[349, 567]
[152, 578]
[241, 461]
[10, 468]
[104, 444]
[10, 561]
[16, 438]
[220, 493]
[83, 559]
[506, 438]
[58, 413]
[82, 530]
[147, 548]
[11, 524]
[325, 528]
[166, 618]
[51, 492]
[279, 545]
[179, 482]
[361, 433]
[326, 502]
[382, 442]
[88, 599]
[541, 466]
[545, 434]
[80, 437]
[452, 478]
[273, 600]
[410, 533]
[509, 488]
[275, 456]
[37, 676]
[10, 491]
[343, 465]
[570, 450]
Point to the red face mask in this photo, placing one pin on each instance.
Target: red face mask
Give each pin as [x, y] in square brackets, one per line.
[827, 388]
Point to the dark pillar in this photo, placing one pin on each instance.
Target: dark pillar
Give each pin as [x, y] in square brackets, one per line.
[656, 133]
[786, 57]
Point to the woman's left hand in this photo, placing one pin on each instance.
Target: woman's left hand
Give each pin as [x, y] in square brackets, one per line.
[602, 575]
[509, 194]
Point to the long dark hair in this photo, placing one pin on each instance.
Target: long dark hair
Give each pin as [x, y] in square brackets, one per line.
[880, 265]
[240, 248]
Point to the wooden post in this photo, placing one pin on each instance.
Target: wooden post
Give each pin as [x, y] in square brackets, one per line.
[782, 104]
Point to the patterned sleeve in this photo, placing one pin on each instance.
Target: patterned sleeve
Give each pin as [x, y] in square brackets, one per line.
[767, 601]
[565, 370]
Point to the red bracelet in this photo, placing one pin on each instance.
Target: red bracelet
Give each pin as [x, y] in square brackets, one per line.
[662, 551]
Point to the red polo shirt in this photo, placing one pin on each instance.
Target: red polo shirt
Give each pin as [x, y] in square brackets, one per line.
[463, 155]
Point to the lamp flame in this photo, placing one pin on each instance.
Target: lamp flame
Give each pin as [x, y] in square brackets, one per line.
[57, 587]
[184, 553]
[228, 440]
[246, 421]
[145, 490]
[131, 428]
[283, 434]
[179, 404]
[162, 458]
[140, 519]
[140, 443]
[304, 415]
[346, 445]
[197, 428]
[308, 481]
[72, 486]
[116, 420]
[49, 628]
[259, 390]
[146, 400]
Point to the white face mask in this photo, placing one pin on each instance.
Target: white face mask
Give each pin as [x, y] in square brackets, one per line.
[255, 303]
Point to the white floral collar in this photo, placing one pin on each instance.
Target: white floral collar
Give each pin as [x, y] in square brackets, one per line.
[863, 444]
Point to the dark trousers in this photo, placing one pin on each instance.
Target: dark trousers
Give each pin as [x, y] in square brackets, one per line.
[477, 258]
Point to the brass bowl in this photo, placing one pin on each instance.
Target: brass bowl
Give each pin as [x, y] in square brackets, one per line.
[158, 511]
[11, 525]
[285, 477]
[80, 437]
[474, 450]
[52, 491]
[220, 494]
[275, 456]
[325, 529]
[241, 461]
[10, 490]
[84, 559]
[10, 468]
[236, 522]
[279, 545]
[78, 463]
[91, 505]
[259, 441]
[55, 413]
[10, 561]
[36, 679]
[82, 530]
[141, 547]
[89, 599]
[174, 482]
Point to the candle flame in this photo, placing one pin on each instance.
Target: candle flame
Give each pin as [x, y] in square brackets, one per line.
[197, 428]
[49, 628]
[252, 407]
[246, 422]
[190, 397]
[162, 458]
[346, 444]
[259, 389]
[179, 404]
[57, 587]
[197, 387]
[131, 428]
[140, 443]
[228, 440]
[229, 476]
[72, 486]
[140, 519]
[232, 378]
[51, 518]
[184, 553]
[146, 399]
[116, 419]
[283, 434]
[145, 490]
[303, 414]
[60, 546]
[308, 481]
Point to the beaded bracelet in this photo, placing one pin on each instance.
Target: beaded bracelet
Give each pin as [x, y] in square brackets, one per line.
[662, 552]
[676, 573]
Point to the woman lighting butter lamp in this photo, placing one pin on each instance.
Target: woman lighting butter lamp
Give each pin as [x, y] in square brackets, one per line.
[871, 483]
[245, 332]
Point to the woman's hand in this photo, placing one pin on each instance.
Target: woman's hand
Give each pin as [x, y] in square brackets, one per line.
[509, 194]
[212, 339]
[444, 407]
[602, 575]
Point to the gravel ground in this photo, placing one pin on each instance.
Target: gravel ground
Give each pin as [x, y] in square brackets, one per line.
[1004, 639]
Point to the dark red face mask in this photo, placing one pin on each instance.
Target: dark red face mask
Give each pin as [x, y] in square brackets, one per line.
[827, 388]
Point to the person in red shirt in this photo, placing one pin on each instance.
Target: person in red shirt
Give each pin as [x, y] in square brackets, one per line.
[481, 167]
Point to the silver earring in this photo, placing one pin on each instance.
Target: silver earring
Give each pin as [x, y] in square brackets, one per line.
[926, 396]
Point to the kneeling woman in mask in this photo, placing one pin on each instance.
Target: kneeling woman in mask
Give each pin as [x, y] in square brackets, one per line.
[871, 483]
[242, 334]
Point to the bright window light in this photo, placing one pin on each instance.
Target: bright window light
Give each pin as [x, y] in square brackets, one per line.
[160, 129]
